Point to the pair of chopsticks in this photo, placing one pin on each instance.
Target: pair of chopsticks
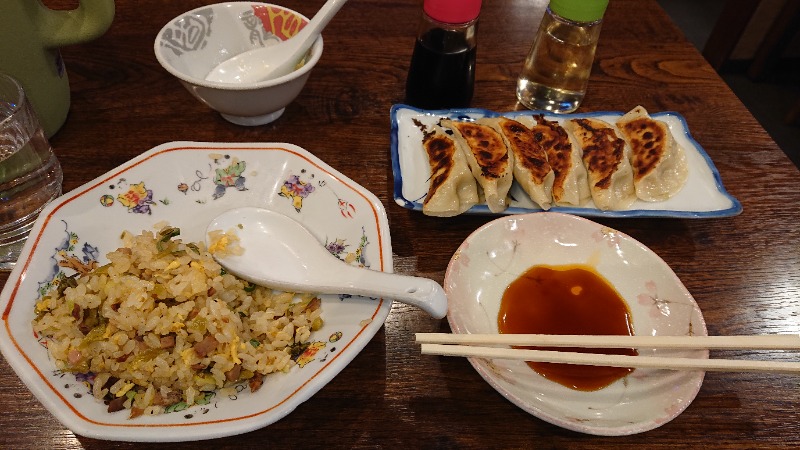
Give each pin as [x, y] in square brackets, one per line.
[480, 346]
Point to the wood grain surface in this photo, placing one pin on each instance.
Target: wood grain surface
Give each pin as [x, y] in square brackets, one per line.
[743, 271]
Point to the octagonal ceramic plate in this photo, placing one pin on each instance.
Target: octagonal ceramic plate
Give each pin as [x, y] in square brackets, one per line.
[186, 184]
[502, 250]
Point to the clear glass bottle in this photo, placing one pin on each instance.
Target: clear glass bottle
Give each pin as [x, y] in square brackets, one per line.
[442, 70]
[556, 71]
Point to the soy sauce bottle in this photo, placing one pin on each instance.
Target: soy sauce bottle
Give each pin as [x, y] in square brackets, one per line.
[442, 70]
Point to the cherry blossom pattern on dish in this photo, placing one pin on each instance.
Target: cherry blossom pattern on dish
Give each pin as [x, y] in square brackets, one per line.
[663, 308]
[502, 258]
[461, 259]
[609, 235]
[671, 411]
[505, 374]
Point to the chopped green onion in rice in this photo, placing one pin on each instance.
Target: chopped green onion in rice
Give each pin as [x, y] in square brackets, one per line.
[162, 323]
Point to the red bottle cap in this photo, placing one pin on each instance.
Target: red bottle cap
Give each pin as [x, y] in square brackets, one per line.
[452, 11]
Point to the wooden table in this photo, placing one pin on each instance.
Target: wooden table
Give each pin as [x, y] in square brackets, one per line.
[743, 271]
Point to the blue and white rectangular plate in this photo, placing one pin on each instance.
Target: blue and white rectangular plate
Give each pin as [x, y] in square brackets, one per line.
[703, 196]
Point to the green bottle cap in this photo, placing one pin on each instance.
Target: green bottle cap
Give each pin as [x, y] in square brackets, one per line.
[579, 10]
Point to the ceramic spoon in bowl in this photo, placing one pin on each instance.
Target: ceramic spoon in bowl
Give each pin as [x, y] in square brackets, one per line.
[277, 60]
[280, 253]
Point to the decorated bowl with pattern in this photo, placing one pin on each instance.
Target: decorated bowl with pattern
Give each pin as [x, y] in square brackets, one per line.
[502, 250]
[185, 185]
[192, 44]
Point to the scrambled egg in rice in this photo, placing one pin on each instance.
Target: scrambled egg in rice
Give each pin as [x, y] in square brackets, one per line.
[163, 323]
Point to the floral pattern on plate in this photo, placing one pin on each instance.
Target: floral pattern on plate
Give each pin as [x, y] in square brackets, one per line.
[500, 251]
[186, 184]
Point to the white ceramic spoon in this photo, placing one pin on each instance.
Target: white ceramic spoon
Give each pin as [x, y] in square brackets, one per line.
[280, 253]
[265, 63]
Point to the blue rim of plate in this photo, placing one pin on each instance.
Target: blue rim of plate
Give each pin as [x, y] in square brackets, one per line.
[467, 113]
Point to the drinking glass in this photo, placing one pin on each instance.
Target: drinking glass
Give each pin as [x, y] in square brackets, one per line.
[30, 175]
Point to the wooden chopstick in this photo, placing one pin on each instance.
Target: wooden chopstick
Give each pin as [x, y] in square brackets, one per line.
[754, 342]
[593, 359]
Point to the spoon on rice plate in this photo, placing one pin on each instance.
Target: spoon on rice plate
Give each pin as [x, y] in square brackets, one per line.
[270, 249]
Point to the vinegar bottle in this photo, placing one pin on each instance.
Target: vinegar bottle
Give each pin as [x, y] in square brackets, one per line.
[442, 70]
[556, 71]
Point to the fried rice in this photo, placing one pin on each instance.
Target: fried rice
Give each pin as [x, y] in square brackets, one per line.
[164, 324]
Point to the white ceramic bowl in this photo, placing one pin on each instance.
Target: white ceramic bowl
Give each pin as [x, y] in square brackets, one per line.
[195, 42]
[186, 184]
[500, 251]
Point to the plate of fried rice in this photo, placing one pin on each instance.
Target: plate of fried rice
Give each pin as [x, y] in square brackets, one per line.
[121, 322]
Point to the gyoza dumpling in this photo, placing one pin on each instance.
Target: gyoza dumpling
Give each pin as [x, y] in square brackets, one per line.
[659, 164]
[570, 183]
[488, 158]
[531, 169]
[605, 156]
[452, 187]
